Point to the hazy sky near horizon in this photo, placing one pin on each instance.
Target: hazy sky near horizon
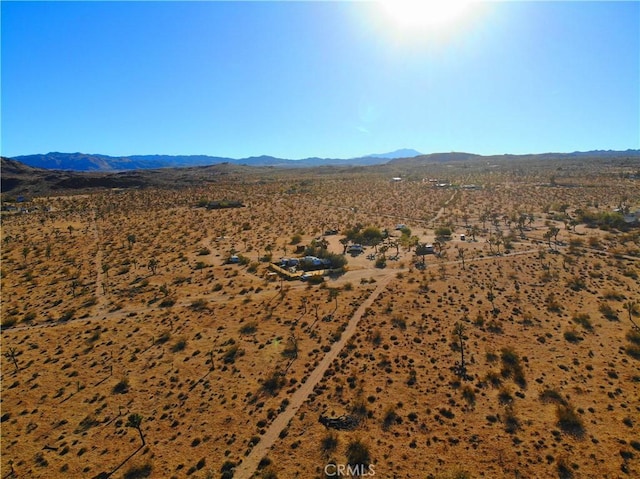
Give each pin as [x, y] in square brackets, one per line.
[327, 79]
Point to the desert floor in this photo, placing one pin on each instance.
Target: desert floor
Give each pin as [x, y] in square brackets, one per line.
[119, 306]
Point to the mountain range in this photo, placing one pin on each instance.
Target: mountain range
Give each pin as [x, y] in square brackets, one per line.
[97, 162]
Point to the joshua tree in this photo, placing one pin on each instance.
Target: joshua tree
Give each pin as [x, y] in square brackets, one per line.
[74, 284]
[631, 306]
[461, 252]
[153, 265]
[551, 232]
[459, 331]
[11, 355]
[333, 294]
[134, 421]
[491, 295]
[422, 250]
[131, 239]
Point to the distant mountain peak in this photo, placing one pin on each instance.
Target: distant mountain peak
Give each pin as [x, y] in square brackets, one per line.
[401, 153]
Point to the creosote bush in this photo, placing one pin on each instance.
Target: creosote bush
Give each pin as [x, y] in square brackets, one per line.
[569, 420]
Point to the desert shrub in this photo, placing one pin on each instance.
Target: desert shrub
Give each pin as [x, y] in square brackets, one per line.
[138, 471]
[552, 396]
[564, 469]
[9, 321]
[572, 336]
[553, 304]
[443, 231]
[316, 279]
[85, 424]
[511, 421]
[608, 312]
[358, 453]
[231, 354]
[249, 328]
[633, 335]
[389, 417]
[376, 337]
[469, 395]
[273, 383]
[329, 443]
[504, 396]
[268, 473]
[164, 337]
[167, 302]
[399, 323]
[633, 350]
[204, 251]
[179, 345]
[583, 320]
[67, 315]
[359, 408]
[253, 267]
[122, 386]
[199, 304]
[569, 420]
[228, 469]
[614, 295]
[493, 378]
[511, 366]
[576, 283]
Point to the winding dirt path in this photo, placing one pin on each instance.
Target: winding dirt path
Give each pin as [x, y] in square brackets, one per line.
[250, 463]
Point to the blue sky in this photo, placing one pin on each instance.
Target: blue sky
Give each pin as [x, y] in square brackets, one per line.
[327, 79]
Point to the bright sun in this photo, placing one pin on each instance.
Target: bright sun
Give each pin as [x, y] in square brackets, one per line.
[424, 14]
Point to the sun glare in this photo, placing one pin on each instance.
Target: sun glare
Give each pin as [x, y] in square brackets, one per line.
[424, 14]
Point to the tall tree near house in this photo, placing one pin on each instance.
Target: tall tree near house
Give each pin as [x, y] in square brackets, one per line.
[345, 244]
[422, 251]
[135, 421]
[474, 231]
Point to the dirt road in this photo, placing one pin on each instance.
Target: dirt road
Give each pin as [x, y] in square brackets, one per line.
[250, 463]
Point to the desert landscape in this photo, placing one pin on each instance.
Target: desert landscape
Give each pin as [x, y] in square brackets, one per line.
[478, 318]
